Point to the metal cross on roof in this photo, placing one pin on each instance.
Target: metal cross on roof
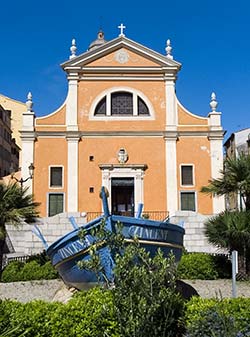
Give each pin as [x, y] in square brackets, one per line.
[121, 27]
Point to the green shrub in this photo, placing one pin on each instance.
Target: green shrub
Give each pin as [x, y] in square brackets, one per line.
[40, 258]
[216, 318]
[197, 266]
[204, 266]
[87, 314]
[12, 272]
[19, 271]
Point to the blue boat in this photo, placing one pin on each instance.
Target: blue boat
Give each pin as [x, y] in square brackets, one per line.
[68, 250]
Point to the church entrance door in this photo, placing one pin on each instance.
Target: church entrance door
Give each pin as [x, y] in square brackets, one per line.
[122, 196]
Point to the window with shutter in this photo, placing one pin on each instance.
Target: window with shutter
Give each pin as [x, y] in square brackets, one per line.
[188, 201]
[187, 175]
[56, 176]
[55, 204]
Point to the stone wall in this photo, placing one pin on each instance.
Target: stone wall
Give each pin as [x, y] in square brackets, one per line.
[26, 243]
[194, 239]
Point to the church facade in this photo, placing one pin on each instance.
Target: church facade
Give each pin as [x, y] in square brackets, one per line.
[122, 127]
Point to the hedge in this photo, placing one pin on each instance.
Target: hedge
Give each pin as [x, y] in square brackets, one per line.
[27, 271]
[216, 318]
[203, 266]
[89, 314]
[92, 314]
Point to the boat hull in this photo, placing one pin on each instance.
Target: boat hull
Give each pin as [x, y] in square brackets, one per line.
[66, 252]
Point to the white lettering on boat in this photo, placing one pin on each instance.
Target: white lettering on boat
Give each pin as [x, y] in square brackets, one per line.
[74, 247]
[148, 233]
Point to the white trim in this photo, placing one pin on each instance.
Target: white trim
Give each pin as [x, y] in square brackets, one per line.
[47, 201]
[216, 153]
[121, 78]
[72, 178]
[171, 175]
[55, 187]
[171, 106]
[108, 105]
[135, 105]
[51, 125]
[193, 125]
[27, 159]
[71, 105]
[193, 175]
[108, 93]
[125, 172]
[138, 70]
[195, 200]
[114, 45]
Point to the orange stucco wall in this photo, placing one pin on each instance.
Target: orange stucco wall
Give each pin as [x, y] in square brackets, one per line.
[48, 152]
[89, 90]
[133, 60]
[196, 151]
[186, 118]
[141, 151]
[55, 118]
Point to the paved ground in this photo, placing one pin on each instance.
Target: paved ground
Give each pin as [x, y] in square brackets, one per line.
[219, 288]
[55, 290]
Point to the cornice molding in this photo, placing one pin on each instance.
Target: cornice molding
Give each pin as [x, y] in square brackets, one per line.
[216, 134]
[28, 136]
[122, 78]
[116, 44]
[111, 167]
[211, 135]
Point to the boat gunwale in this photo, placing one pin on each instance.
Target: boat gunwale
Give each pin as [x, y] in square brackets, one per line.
[116, 218]
[127, 240]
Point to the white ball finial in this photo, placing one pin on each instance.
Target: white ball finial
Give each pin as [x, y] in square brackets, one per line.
[73, 49]
[213, 103]
[29, 103]
[169, 49]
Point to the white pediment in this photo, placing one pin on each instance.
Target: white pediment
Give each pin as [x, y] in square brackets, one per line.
[120, 44]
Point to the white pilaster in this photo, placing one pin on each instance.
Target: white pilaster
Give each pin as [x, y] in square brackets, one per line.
[216, 150]
[72, 178]
[28, 139]
[171, 175]
[27, 159]
[71, 105]
[171, 106]
[170, 146]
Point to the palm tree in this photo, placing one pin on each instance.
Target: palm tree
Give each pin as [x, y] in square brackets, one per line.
[235, 178]
[231, 230]
[15, 205]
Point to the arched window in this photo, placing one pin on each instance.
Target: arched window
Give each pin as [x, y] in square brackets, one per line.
[142, 108]
[121, 103]
[101, 107]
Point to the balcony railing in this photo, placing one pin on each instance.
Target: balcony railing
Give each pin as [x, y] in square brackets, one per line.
[152, 215]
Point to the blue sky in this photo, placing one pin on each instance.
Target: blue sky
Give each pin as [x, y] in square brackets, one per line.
[209, 38]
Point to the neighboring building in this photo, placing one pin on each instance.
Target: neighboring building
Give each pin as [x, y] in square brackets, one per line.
[9, 151]
[123, 127]
[16, 108]
[237, 143]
